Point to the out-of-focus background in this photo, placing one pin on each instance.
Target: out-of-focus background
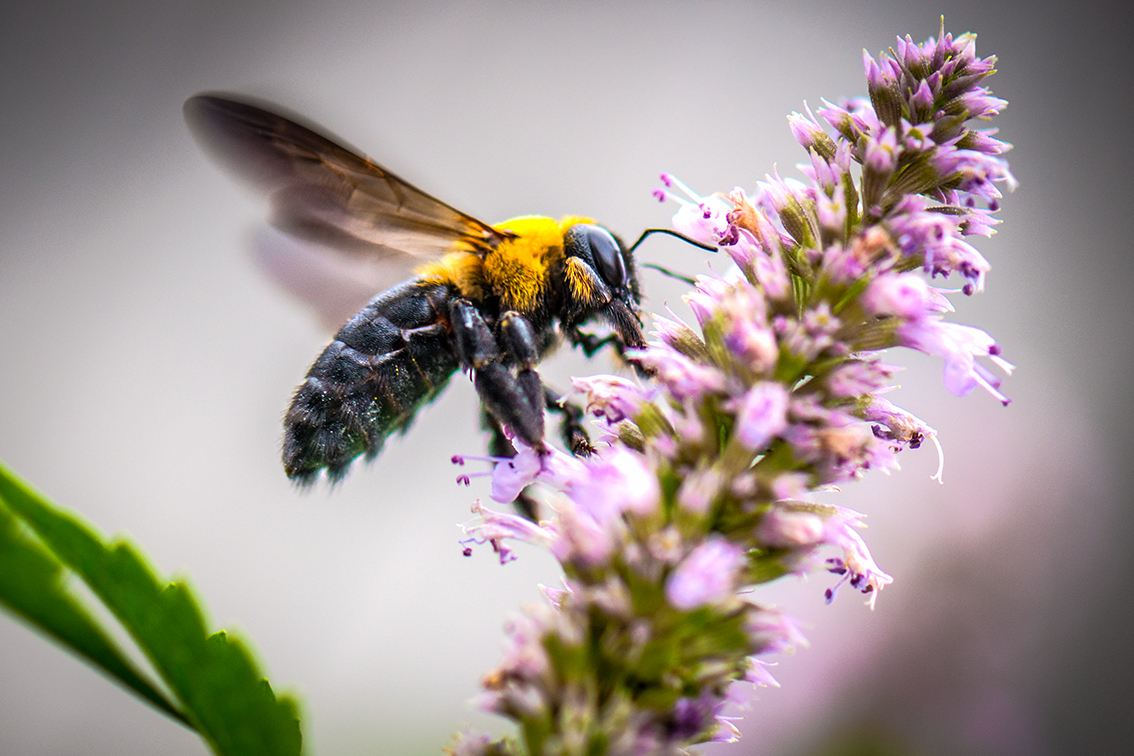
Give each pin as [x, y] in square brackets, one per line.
[147, 357]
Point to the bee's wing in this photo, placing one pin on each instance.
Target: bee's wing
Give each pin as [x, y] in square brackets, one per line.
[326, 192]
[334, 284]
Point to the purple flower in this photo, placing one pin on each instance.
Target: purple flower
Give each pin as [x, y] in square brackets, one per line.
[831, 211]
[619, 478]
[772, 275]
[934, 238]
[753, 342]
[785, 527]
[878, 77]
[744, 249]
[709, 574]
[771, 632]
[810, 336]
[761, 415]
[903, 429]
[497, 527]
[699, 489]
[524, 655]
[900, 426]
[705, 296]
[809, 134]
[974, 171]
[921, 102]
[905, 295]
[759, 675]
[512, 476]
[610, 397]
[705, 219]
[829, 172]
[980, 103]
[859, 377]
[856, 566]
[959, 346]
[682, 376]
[706, 222]
[880, 156]
[555, 596]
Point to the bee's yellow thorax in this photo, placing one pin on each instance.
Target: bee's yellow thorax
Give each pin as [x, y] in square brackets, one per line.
[517, 271]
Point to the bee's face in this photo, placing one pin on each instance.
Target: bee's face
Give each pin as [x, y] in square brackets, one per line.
[613, 265]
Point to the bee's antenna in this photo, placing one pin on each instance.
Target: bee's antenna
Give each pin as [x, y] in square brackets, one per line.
[670, 232]
[670, 273]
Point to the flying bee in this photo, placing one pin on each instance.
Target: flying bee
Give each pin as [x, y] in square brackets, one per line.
[488, 299]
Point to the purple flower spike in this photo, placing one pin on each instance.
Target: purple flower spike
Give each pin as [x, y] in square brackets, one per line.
[706, 477]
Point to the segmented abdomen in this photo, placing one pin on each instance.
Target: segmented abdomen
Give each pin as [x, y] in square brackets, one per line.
[385, 363]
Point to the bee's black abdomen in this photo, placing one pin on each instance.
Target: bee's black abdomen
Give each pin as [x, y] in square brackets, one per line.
[391, 358]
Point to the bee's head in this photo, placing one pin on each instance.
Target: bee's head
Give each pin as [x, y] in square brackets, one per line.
[600, 280]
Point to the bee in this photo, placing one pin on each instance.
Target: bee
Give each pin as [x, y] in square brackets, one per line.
[490, 300]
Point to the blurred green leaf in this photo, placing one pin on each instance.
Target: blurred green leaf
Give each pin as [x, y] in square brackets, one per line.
[32, 587]
[214, 677]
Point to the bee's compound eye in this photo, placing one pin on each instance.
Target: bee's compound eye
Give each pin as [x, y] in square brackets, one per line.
[607, 255]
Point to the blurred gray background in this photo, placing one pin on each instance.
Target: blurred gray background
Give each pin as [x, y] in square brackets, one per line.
[147, 358]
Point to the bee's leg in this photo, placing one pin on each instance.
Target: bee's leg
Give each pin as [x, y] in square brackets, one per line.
[506, 396]
[518, 338]
[591, 344]
[572, 432]
[500, 446]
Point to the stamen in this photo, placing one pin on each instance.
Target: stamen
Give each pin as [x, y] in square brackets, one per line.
[460, 459]
[829, 594]
[672, 181]
[937, 476]
[1000, 362]
[661, 195]
[990, 388]
[465, 479]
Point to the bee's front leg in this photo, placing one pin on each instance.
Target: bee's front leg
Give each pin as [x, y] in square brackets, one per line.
[572, 431]
[508, 397]
[591, 344]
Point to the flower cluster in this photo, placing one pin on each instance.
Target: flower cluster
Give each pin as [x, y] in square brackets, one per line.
[775, 390]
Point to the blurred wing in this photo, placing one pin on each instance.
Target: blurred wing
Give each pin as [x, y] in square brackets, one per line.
[333, 283]
[325, 192]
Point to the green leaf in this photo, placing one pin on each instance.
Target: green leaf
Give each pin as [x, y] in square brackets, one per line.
[214, 677]
[32, 587]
